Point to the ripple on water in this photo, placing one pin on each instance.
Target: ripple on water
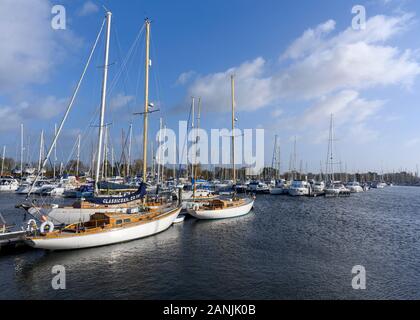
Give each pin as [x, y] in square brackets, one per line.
[286, 248]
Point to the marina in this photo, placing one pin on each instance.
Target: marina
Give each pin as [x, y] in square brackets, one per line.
[185, 163]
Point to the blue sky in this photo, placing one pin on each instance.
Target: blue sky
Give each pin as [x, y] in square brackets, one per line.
[296, 62]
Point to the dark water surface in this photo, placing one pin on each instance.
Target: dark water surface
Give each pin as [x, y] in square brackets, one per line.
[287, 248]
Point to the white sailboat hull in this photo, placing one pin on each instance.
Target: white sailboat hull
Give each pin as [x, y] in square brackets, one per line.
[222, 213]
[107, 238]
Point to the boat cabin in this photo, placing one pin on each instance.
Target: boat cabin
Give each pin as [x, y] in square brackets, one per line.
[222, 204]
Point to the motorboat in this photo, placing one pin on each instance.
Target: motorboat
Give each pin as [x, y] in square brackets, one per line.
[258, 187]
[336, 188]
[299, 188]
[354, 187]
[8, 184]
[379, 185]
[26, 187]
[281, 187]
[318, 186]
[45, 189]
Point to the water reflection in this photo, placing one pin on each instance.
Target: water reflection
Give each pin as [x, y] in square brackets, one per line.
[285, 248]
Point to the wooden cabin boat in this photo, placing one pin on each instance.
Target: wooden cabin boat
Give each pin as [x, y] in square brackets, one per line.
[222, 208]
[105, 229]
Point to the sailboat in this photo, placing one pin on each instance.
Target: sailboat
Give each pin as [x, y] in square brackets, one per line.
[111, 226]
[229, 207]
[197, 194]
[81, 210]
[333, 188]
[104, 229]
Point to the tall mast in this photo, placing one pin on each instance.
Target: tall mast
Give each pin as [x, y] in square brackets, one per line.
[279, 162]
[130, 134]
[192, 129]
[294, 160]
[41, 146]
[163, 155]
[112, 160]
[78, 156]
[152, 147]
[105, 163]
[146, 99]
[159, 153]
[274, 161]
[103, 100]
[55, 151]
[194, 166]
[330, 164]
[2, 160]
[232, 80]
[196, 137]
[21, 151]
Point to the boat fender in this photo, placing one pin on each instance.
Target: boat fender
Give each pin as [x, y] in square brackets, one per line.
[50, 225]
[195, 207]
[31, 225]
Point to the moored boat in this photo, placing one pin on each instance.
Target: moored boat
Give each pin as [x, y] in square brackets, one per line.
[354, 187]
[299, 188]
[281, 187]
[105, 229]
[8, 184]
[222, 208]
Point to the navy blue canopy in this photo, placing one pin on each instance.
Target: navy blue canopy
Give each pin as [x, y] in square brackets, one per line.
[139, 194]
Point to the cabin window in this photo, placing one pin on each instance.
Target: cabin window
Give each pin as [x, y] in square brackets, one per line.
[118, 222]
[127, 220]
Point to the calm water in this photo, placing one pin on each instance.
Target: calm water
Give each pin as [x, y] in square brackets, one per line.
[286, 248]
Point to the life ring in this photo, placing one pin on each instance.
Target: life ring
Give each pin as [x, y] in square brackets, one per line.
[31, 225]
[50, 227]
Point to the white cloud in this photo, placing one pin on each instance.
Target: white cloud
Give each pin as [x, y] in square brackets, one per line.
[185, 77]
[347, 66]
[320, 64]
[277, 113]
[120, 100]
[29, 48]
[88, 8]
[39, 109]
[309, 41]
[253, 91]
[361, 133]
[346, 106]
